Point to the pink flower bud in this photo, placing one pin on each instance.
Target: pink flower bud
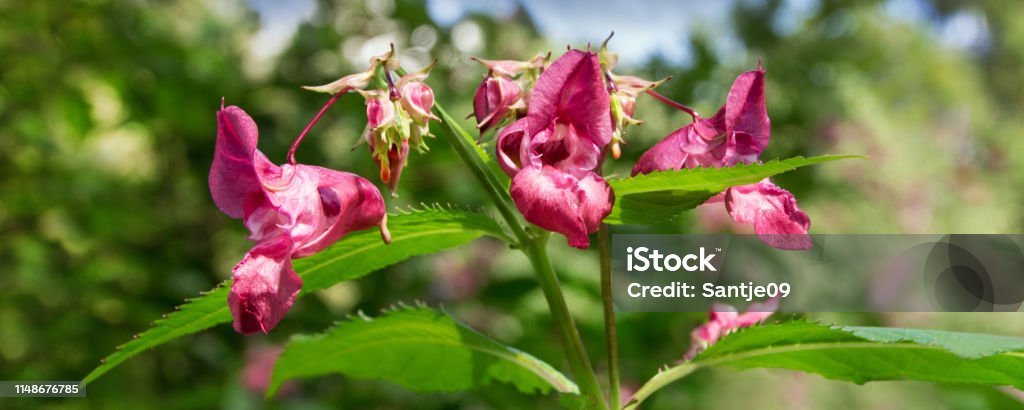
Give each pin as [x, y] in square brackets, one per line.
[379, 110]
[492, 100]
[418, 100]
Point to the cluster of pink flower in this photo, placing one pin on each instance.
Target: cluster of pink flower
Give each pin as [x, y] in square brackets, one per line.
[561, 122]
[557, 122]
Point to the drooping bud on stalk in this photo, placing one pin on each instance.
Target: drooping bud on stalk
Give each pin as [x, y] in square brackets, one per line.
[492, 100]
[380, 112]
[396, 111]
[500, 95]
[623, 91]
[417, 101]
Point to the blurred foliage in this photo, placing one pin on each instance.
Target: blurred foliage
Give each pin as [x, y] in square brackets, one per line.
[107, 130]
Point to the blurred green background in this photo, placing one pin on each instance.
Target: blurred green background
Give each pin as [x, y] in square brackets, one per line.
[107, 132]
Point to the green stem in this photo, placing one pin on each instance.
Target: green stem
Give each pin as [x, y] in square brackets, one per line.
[466, 147]
[611, 338]
[577, 354]
[534, 248]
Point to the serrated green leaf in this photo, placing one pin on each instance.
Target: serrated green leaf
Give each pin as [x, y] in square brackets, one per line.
[661, 196]
[418, 348]
[861, 354]
[413, 233]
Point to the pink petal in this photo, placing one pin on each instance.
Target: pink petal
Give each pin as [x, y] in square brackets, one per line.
[506, 68]
[572, 90]
[264, 221]
[746, 117]
[708, 332]
[379, 110]
[667, 154]
[292, 191]
[596, 200]
[349, 203]
[702, 337]
[722, 313]
[559, 202]
[231, 177]
[698, 144]
[509, 146]
[777, 219]
[264, 286]
[259, 366]
[562, 146]
[756, 313]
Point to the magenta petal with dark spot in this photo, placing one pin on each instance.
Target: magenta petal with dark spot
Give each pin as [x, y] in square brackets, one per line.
[348, 202]
[291, 211]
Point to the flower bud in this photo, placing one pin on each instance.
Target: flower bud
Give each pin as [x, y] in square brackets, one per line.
[391, 163]
[380, 112]
[624, 91]
[417, 99]
[492, 100]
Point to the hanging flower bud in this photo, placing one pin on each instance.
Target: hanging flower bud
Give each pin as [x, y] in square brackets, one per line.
[387, 129]
[500, 96]
[417, 99]
[380, 112]
[492, 100]
[396, 112]
[623, 91]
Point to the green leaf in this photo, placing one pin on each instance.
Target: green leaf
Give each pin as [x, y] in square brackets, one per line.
[661, 196]
[359, 253]
[861, 354]
[418, 348]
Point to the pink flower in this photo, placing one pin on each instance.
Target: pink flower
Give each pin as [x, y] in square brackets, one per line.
[259, 367]
[291, 211]
[551, 153]
[737, 133]
[724, 320]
